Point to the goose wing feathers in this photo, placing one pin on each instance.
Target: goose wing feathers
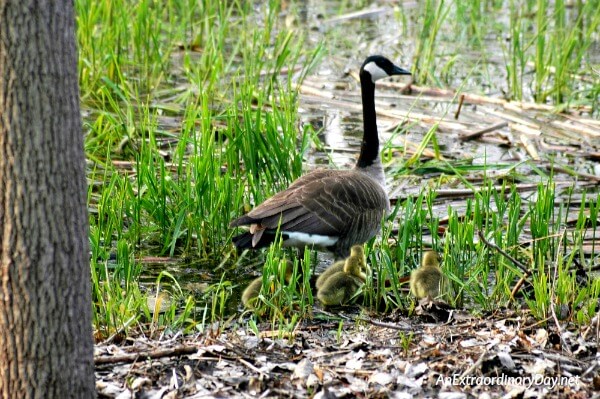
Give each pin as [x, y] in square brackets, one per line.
[324, 202]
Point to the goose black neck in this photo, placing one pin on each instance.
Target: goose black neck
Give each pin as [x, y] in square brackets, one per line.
[369, 149]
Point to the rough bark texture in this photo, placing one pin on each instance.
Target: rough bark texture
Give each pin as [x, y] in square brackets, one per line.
[46, 347]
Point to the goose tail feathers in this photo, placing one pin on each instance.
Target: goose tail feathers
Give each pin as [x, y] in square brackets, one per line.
[248, 240]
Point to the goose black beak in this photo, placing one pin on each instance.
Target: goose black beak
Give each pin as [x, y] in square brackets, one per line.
[400, 71]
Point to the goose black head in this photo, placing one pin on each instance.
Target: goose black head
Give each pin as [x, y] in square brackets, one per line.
[379, 67]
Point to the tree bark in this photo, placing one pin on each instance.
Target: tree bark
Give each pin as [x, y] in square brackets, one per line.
[46, 345]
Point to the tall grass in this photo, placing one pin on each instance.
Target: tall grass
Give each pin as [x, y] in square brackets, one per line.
[282, 302]
[532, 229]
[185, 103]
[434, 14]
[546, 46]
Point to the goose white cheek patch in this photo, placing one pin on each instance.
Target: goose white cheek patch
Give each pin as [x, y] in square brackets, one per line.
[376, 72]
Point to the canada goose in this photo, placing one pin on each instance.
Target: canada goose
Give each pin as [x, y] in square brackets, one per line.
[340, 287]
[330, 209]
[250, 294]
[355, 251]
[425, 281]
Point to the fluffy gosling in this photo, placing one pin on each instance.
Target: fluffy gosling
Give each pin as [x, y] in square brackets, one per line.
[340, 286]
[425, 281]
[250, 295]
[330, 271]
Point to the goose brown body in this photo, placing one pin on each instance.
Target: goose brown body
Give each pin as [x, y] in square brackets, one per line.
[330, 209]
[346, 205]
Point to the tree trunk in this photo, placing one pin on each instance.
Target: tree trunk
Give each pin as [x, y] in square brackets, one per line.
[46, 346]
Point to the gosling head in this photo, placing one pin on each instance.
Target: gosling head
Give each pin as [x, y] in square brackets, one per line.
[356, 264]
[431, 259]
[378, 67]
[357, 251]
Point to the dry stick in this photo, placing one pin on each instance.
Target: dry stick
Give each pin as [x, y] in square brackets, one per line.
[252, 367]
[155, 354]
[570, 172]
[574, 151]
[460, 104]
[338, 315]
[517, 286]
[530, 147]
[479, 133]
[469, 98]
[588, 127]
[537, 323]
[502, 252]
[518, 106]
[526, 271]
[520, 188]
[523, 120]
[387, 325]
[474, 365]
[396, 115]
[360, 14]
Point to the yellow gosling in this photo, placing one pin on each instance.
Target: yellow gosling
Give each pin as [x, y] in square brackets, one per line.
[356, 252]
[330, 271]
[250, 294]
[426, 280]
[341, 286]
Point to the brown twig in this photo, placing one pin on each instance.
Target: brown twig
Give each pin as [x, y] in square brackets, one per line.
[461, 99]
[571, 172]
[479, 133]
[252, 367]
[521, 266]
[526, 271]
[518, 286]
[367, 13]
[387, 325]
[155, 354]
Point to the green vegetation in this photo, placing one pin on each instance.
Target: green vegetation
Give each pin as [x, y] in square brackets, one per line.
[280, 302]
[182, 100]
[545, 46]
[191, 118]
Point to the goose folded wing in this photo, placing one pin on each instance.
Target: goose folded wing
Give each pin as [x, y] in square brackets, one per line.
[325, 206]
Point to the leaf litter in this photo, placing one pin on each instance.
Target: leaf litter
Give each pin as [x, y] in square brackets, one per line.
[501, 354]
